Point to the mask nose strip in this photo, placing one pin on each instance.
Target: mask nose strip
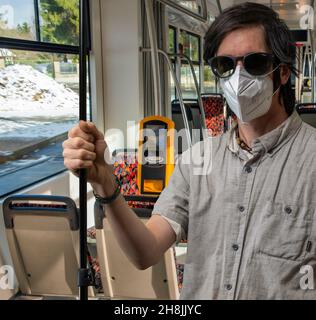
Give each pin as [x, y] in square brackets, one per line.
[249, 85]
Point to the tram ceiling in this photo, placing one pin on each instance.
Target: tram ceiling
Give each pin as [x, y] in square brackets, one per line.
[289, 10]
[292, 11]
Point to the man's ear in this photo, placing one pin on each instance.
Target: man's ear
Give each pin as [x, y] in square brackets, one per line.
[285, 74]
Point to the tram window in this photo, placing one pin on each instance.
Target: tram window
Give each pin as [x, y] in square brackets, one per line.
[209, 80]
[59, 21]
[191, 46]
[172, 40]
[43, 20]
[39, 91]
[188, 44]
[17, 19]
[172, 88]
[39, 103]
[187, 81]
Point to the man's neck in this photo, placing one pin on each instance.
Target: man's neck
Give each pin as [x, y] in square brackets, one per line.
[257, 128]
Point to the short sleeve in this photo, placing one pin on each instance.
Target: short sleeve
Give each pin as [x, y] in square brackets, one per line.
[173, 203]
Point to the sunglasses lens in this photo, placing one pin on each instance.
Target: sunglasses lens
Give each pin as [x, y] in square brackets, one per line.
[258, 64]
[223, 67]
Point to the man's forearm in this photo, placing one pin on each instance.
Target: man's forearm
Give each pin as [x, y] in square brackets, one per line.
[134, 238]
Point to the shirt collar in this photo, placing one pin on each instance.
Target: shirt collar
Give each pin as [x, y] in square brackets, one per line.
[269, 143]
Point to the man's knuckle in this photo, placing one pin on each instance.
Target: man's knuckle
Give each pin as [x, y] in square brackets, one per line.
[73, 132]
[80, 163]
[78, 142]
[82, 154]
[68, 164]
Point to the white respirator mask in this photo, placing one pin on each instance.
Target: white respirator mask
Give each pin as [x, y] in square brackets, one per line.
[249, 97]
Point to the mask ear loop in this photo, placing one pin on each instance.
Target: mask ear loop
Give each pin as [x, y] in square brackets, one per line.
[228, 117]
[278, 66]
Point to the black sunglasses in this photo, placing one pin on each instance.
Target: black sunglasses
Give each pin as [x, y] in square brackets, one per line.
[256, 64]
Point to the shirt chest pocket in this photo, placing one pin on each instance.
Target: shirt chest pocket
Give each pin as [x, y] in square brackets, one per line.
[285, 231]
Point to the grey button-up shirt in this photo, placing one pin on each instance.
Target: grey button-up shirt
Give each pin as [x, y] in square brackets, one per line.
[250, 221]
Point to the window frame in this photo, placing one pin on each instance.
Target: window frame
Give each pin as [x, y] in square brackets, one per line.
[38, 35]
[178, 63]
[37, 45]
[194, 62]
[45, 47]
[29, 45]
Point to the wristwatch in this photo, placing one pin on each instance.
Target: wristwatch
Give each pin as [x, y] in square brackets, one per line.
[111, 199]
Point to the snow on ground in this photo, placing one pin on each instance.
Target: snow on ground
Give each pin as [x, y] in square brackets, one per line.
[33, 104]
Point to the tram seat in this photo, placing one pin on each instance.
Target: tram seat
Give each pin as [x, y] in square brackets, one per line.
[194, 118]
[214, 113]
[307, 111]
[121, 279]
[125, 169]
[43, 238]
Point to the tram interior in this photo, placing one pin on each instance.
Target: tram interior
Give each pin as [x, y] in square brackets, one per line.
[146, 59]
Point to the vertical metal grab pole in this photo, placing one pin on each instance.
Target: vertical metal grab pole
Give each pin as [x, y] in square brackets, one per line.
[154, 55]
[313, 65]
[197, 87]
[179, 92]
[82, 275]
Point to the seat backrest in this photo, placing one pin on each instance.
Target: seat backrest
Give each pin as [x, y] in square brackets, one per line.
[43, 239]
[121, 279]
[195, 120]
[214, 113]
[126, 170]
[307, 111]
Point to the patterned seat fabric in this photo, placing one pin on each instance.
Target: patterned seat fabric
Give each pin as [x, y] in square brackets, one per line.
[125, 169]
[214, 114]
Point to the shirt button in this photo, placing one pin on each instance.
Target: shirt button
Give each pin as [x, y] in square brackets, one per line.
[229, 287]
[248, 169]
[288, 210]
[241, 208]
[235, 247]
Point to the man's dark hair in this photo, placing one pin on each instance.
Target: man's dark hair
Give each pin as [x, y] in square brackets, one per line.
[278, 39]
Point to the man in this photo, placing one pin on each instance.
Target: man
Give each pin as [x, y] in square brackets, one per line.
[250, 218]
